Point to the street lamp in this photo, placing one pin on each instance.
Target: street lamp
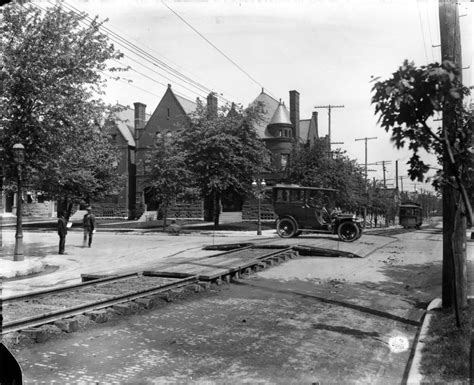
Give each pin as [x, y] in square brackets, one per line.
[258, 187]
[19, 159]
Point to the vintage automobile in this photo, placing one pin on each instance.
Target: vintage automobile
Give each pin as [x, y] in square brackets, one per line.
[311, 210]
[410, 215]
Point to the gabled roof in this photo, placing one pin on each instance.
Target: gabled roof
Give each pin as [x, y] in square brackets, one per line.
[125, 122]
[270, 105]
[188, 105]
[304, 129]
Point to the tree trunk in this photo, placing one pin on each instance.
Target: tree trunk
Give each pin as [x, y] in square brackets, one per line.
[165, 214]
[459, 245]
[216, 209]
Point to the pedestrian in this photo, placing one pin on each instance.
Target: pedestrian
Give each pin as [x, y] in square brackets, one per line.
[62, 231]
[88, 222]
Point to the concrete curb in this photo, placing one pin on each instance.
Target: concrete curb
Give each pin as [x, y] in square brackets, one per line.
[414, 375]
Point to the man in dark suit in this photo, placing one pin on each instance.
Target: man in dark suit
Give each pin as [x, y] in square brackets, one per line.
[88, 222]
[62, 232]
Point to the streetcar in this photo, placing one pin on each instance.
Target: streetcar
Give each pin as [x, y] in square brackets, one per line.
[410, 215]
[311, 210]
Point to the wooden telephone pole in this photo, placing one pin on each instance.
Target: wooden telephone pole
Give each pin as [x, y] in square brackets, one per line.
[366, 171]
[329, 106]
[454, 225]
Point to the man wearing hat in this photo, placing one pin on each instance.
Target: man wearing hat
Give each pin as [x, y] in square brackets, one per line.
[62, 232]
[88, 222]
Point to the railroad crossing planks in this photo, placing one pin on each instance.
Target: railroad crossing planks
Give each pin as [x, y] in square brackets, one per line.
[216, 266]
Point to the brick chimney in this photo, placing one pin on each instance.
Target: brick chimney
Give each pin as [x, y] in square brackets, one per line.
[315, 118]
[295, 113]
[140, 119]
[212, 104]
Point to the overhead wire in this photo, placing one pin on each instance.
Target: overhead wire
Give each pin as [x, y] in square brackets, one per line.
[134, 49]
[129, 82]
[422, 32]
[125, 43]
[216, 48]
[429, 30]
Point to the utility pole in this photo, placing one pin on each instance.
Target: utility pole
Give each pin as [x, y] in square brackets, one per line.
[329, 107]
[396, 174]
[382, 162]
[366, 164]
[330, 152]
[366, 192]
[454, 281]
[401, 181]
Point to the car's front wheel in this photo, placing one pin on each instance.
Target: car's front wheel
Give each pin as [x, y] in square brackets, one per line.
[348, 231]
[286, 228]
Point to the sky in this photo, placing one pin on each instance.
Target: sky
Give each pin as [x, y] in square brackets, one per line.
[327, 50]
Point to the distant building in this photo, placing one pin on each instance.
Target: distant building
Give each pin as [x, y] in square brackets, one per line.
[121, 127]
[135, 132]
[280, 128]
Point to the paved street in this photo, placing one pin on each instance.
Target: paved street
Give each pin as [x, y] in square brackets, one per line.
[125, 252]
[271, 328]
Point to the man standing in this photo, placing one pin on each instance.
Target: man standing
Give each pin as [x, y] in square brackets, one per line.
[89, 225]
[62, 231]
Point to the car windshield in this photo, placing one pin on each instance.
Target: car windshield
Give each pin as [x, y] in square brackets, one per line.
[318, 199]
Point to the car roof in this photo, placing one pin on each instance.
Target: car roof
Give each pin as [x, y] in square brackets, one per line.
[296, 187]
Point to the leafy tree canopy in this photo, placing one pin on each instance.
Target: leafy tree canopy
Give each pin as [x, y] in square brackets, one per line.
[223, 150]
[406, 104]
[50, 71]
[313, 166]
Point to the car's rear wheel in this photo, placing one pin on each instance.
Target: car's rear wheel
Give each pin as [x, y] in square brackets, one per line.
[286, 228]
[348, 231]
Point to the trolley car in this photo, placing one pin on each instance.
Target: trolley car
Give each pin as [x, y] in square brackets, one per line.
[410, 215]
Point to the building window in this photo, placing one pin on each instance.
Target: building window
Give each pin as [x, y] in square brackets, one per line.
[40, 197]
[284, 160]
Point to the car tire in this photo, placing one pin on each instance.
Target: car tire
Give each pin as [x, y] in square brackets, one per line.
[286, 228]
[348, 231]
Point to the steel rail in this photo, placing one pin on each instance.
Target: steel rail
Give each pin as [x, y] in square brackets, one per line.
[91, 306]
[274, 253]
[41, 293]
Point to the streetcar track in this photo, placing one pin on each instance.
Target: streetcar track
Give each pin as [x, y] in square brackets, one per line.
[67, 301]
[100, 293]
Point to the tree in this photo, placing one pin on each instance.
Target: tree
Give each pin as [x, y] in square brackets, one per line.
[223, 151]
[312, 166]
[50, 72]
[406, 104]
[170, 178]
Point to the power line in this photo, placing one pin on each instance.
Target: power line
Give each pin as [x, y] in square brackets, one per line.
[422, 32]
[142, 53]
[429, 30]
[215, 47]
[133, 48]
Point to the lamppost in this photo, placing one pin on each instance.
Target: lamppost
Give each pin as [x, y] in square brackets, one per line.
[258, 187]
[19, 159]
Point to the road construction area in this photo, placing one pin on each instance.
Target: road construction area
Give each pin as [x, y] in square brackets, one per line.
[308, 319]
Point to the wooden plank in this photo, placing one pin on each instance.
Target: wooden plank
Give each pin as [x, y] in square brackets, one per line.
[166, 274]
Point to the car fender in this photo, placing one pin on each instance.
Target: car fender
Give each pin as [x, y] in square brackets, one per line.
[288, 217]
